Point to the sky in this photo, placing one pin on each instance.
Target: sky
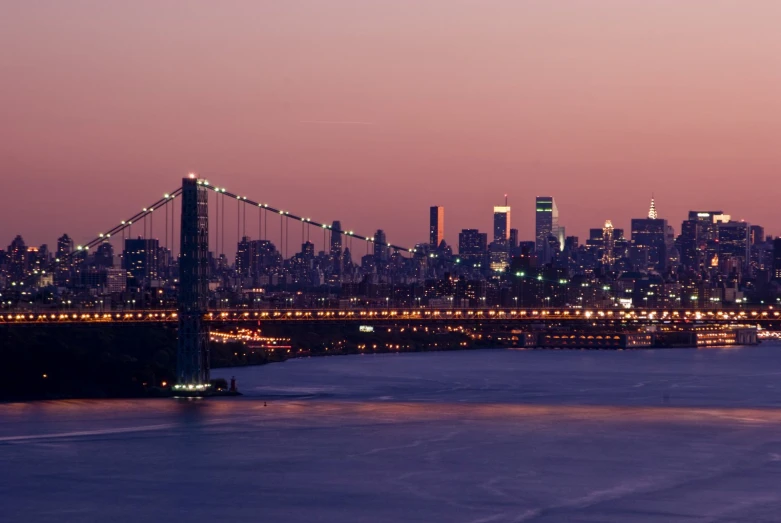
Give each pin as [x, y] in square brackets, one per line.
[369, 112]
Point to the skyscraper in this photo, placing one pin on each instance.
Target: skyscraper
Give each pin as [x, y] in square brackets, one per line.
[140, 258]
[472, 246]
[757, 234]
[336, 239]
[380, 247]
[104, 256]
[17, 256]
[502, 224]
[651, 233]
[699, 242]
[513, 238]
[608, 243]
[734, 243]
[777, 259]
[64, 249]
[336, 246]
[64, 246]
[436, 226]
[244, 257]
[546, 221]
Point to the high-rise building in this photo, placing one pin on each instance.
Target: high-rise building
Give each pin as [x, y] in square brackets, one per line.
[64, 246]
[608, 244]
[116, 280]
[336, 246]
[140, 258]
[734, 243]
[244, 257]
[336, 239]
[104, 256]
[513, 238]
[264, 256]
[498, 256]
[757, 234]
[63, 269]
[436, 226]
[17, 257]
[546, 221]
[777, 259]
[651, 233]
[502, 224]
[699, 241]
[381, 251]
[472, 246]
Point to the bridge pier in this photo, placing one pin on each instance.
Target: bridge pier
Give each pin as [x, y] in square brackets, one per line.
[192, 355]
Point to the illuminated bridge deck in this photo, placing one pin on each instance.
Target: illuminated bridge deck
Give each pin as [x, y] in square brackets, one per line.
[398, 315]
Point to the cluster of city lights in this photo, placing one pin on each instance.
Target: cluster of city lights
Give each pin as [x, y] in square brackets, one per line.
[191, 386]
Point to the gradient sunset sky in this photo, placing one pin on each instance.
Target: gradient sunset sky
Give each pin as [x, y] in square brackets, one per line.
[369, 111]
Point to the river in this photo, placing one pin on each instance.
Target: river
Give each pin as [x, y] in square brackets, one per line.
[488, 436]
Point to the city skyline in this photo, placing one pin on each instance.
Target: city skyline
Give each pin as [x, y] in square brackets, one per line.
[526, 99]
[249, 227]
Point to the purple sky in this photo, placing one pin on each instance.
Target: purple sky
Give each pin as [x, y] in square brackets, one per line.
[371, 111]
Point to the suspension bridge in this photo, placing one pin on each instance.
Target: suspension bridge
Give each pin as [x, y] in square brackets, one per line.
[192, 314]
[193, 317]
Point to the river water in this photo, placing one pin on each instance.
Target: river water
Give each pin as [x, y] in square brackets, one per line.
[487, 436]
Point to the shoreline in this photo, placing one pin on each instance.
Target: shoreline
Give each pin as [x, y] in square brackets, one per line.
[160, 393]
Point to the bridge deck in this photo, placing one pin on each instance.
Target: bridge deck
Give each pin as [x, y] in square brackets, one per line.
[385, 315]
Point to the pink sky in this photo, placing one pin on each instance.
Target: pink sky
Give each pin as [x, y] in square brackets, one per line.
[104, 105]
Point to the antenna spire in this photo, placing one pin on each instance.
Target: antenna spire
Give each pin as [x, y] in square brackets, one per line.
[652, 210]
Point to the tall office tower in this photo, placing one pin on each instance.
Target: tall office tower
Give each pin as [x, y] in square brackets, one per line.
[513, 238]
[104, 256]
[436, 226]
[707, 234]
[608, 243]
[502, 224]
[244, 257]
[777, 259]
[561, 236]
[140, 258]
[546, 221]
[336, 239]
[381, 253]
[17, 258]
[735, 243]
[472, 246]
[307, 251]
[336, 246]
[757, 234]
[63, 270]
[687, 245]
[499, 258]
[264, 255]
[651, 233]
[64, 246]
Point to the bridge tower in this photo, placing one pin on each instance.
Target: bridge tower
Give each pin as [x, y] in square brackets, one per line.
[192, 355]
